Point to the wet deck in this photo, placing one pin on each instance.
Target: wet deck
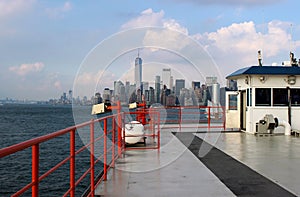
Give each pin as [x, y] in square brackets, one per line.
[197, 163]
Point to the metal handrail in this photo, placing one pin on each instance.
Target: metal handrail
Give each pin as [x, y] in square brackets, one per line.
[35, 143]
[116, 132]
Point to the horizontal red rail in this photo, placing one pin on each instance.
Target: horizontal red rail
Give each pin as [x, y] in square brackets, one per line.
[34, 143]
[149, 117]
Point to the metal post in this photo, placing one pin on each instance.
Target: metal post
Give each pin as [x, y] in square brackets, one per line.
[72, 163]
[208, 119]
[119, 128]
[92, 158]
[180, 118]
[158, 130]
[105, 151]
[113, 140]
[35, 170]
[144, 113]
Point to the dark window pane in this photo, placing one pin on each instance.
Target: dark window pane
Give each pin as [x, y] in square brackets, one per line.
[232, 102]
[249, 97]
[295, 97]
[263, 97]
[280, 97]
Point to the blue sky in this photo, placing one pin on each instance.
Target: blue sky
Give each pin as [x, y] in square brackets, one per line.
[43, 43]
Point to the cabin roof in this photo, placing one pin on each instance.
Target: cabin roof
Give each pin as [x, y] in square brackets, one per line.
[266, 70]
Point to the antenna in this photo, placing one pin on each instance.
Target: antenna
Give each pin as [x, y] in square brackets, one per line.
[259, 58]
[138, 52]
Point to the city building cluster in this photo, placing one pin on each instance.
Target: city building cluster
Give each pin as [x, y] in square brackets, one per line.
[163, 90]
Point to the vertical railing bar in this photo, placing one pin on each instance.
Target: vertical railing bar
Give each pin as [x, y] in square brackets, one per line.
[92, 158]
[105, 150]
[119, 128]
[208, 120]
[158, 130]
[72, 163]
[35, 170]
[113, 140]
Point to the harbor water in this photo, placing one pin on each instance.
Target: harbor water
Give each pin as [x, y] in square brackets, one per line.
[23, 122]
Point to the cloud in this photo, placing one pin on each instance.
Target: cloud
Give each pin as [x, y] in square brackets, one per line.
[25, 69]
[230, 2]
[59, 12]
[149, 18]
[14, 7]
[231, 46]
[238, 43]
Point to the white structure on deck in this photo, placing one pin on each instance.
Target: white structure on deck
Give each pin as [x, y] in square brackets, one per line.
[263, 92]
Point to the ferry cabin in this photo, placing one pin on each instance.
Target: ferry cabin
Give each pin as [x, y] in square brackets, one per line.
[264, 90]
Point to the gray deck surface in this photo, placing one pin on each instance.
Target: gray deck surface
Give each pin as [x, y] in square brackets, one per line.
[175, 171]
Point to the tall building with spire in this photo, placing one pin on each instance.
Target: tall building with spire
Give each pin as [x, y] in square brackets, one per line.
[138, 72]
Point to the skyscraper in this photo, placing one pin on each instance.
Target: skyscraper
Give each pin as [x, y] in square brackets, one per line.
[138, 72]
[157, 89]
[166, 76]
[179, 84]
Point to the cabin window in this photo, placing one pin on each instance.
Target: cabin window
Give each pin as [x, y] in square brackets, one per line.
[232, 102]
[295, 97]
[263, 97]
[280, 97]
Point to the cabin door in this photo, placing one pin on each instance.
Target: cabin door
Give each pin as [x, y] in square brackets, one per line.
[243, 110]
[232, 110]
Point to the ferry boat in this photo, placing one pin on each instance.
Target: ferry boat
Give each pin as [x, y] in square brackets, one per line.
[250, 153]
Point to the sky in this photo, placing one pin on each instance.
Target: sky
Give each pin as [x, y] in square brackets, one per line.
[44, 44]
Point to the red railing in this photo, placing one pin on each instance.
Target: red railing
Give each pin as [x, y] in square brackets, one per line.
[34, 144]
[193, 116]
[151, 119]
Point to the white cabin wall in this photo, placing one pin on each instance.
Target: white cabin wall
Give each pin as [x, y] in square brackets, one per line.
[254, 114]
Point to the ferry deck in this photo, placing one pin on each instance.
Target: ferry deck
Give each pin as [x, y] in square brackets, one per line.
[208, 162]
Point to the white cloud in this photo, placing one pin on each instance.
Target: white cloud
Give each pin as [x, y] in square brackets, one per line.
[14, 7]
[25, 69]
[59, 12]
[146, 18]
[149, 18]
[237, 44]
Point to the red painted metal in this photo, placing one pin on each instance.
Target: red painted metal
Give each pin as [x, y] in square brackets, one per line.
[153, 124]
[35, 170]
[208, 117]
[120, 144]
[105, 151]
[72, 163]
[34, 144]
[92, 158]
[113, 141]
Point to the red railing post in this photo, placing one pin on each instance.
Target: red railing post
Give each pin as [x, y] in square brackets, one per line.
[119, 128]
[92, 158]
[35, 170]
[113, 140]
[224, 118]
[208, 119]
[105, 151]
[158, 130]
[180, 118]
[72, 163]
[144, 113]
